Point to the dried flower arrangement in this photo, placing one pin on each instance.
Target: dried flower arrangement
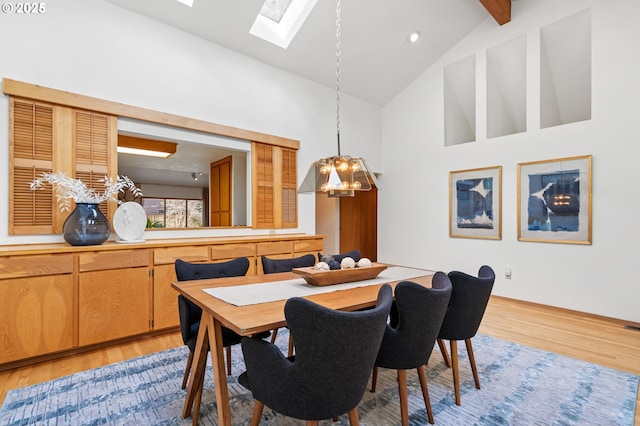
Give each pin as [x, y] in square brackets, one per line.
[76, 190]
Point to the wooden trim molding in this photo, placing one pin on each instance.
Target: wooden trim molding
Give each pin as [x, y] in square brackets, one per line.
[39, 93]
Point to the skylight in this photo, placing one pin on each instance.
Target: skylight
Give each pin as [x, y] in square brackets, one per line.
[275, 9]
[280, 20]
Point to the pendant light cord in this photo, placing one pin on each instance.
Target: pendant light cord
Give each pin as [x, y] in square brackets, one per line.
[338, 72]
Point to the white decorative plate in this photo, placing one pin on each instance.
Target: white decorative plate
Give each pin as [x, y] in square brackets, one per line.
[130, 221]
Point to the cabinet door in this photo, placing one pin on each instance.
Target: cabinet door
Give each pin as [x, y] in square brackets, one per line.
[113, 304]
[36, 317]
[165, 298]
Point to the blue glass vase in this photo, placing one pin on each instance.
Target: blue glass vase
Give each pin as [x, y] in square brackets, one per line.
[86, 226]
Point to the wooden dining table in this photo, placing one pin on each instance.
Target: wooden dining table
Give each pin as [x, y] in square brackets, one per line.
[249, 320]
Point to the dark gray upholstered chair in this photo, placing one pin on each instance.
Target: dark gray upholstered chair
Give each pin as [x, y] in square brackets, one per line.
[354, 254]
[409, 344]
[273, 266]
[335, 352]
[469, 299]
[190, 313]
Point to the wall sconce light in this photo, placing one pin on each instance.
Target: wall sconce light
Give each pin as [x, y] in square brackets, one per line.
[149, 147]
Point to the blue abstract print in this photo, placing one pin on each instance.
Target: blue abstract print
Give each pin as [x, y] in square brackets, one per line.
[554, 201]
[475, 203]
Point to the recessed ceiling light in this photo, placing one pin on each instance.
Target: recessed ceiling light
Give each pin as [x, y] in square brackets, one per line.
[413, 36]
[187, 2]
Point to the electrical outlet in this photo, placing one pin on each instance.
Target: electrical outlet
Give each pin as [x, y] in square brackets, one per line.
[507, 273]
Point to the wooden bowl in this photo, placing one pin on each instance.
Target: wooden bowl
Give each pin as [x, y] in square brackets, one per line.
[339, 276]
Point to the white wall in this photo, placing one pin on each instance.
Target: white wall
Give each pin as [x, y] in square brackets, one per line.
[95, 48]
[413, 205]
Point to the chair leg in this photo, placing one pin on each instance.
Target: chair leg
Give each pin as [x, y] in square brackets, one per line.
[425, 392]
[291, 346]
[353, 417]
[312, 423]
[402, 392]
[257, 413]
[274, 334]
[454, 367]
[228, 351]
[187, 370]
[374, 378]
[472, 360]
[445, 355]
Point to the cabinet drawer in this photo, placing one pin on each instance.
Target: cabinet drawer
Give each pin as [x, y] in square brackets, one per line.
[163, 256]
[231, 251]
[34, 266]
[308, 246]
[102, 261]
[279, 247]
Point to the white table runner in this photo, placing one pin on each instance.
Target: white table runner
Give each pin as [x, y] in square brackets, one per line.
[252, 294]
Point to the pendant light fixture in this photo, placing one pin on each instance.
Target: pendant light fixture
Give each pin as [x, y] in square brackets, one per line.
[340, 175]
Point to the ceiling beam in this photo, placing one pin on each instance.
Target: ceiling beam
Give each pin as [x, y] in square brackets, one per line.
[499, 9]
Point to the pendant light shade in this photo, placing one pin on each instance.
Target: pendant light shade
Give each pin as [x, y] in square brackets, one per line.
[340, 175]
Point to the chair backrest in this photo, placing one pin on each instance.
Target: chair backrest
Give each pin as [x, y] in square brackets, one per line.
[189, 312]
[186, 271]
[468, 302]
[272, 266]
[420, 311]
[335, 354]
[354, 254]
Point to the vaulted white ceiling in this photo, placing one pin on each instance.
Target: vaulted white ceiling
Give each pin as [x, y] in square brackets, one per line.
[377, 62]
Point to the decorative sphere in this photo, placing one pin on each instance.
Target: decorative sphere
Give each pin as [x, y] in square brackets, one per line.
[364, 263]
[348, 263]
[334, 265]
[327, 258]
[322, 266]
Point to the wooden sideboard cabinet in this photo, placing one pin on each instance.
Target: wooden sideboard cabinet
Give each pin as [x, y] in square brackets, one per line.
[58, 299]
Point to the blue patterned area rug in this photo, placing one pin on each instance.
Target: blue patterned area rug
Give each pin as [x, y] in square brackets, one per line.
[520, 386]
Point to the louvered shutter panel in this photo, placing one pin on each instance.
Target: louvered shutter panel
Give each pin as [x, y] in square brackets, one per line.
[289, 189]
[92, 136]
[264, 186]
[31, 147]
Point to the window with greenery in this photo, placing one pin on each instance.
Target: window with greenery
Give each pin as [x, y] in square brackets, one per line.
[173, 212]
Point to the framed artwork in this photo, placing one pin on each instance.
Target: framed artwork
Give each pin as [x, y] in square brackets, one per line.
[554, 200]
[475, 203]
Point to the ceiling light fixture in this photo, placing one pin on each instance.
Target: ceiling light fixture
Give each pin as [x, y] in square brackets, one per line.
[195, 175]
[413, 36]
[340, 175]
[148, 147]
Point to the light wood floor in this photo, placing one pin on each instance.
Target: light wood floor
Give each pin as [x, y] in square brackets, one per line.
[595, 339]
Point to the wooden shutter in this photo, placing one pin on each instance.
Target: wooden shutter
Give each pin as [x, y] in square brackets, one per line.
[263, 187]
[275, 177]
[92, 138]
[31, 148]
[52, 138]
[289, 188]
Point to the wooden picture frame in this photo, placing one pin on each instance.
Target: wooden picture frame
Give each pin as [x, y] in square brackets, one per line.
[554, 200]
[475, 203]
